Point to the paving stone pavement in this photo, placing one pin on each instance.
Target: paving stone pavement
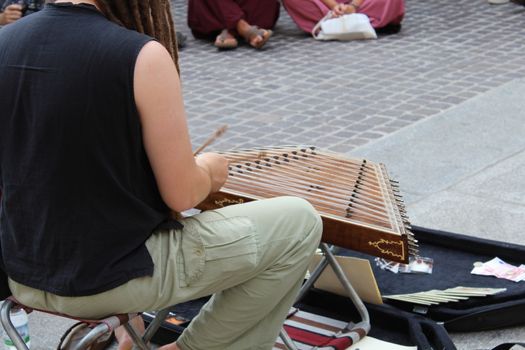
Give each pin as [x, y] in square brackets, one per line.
[342, 95]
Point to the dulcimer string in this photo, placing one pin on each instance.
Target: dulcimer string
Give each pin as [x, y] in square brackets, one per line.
[325, 201]
[326, 207]
[340, 177]
[308, 165]
[350, 168]
[297, 186]
[338, 196]
[297, 155]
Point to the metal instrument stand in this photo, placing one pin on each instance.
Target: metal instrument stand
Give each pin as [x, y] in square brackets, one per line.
[329, 259]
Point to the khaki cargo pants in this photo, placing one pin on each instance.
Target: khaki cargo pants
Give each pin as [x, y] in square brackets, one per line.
[251, 257]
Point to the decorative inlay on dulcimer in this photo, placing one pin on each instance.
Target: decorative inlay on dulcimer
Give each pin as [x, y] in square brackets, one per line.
[360, 206]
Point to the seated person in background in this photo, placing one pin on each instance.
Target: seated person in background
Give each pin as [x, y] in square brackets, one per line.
[226, 20]
[12, 10]
[382, 13]
[95, 155]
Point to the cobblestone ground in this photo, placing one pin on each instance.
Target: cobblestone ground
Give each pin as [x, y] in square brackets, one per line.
[339, 95]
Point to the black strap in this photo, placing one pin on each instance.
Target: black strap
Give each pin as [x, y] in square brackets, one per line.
[507, 346]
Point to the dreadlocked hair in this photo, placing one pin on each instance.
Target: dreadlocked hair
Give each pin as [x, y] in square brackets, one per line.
[151, 17]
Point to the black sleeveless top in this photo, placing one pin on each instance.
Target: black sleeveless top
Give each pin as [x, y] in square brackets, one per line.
[79, 198]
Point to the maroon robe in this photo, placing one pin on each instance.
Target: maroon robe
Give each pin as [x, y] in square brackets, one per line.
[209, 17]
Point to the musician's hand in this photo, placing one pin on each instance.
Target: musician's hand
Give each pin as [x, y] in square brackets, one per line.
[217, 168]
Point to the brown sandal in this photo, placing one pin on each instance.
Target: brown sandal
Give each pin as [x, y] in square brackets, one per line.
[225, 41]
[254, 32]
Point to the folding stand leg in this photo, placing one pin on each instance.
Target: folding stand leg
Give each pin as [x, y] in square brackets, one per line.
[141, 342]
[160, 316]
[329, 259]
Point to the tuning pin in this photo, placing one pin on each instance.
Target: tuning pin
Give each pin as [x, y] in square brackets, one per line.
[411, 238]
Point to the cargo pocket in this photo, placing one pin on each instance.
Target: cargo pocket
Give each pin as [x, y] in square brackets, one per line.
[225, 246]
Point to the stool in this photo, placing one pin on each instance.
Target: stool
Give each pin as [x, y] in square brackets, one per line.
[99, 331]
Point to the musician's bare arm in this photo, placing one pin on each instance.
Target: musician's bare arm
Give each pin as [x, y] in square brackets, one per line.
[183, 180]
